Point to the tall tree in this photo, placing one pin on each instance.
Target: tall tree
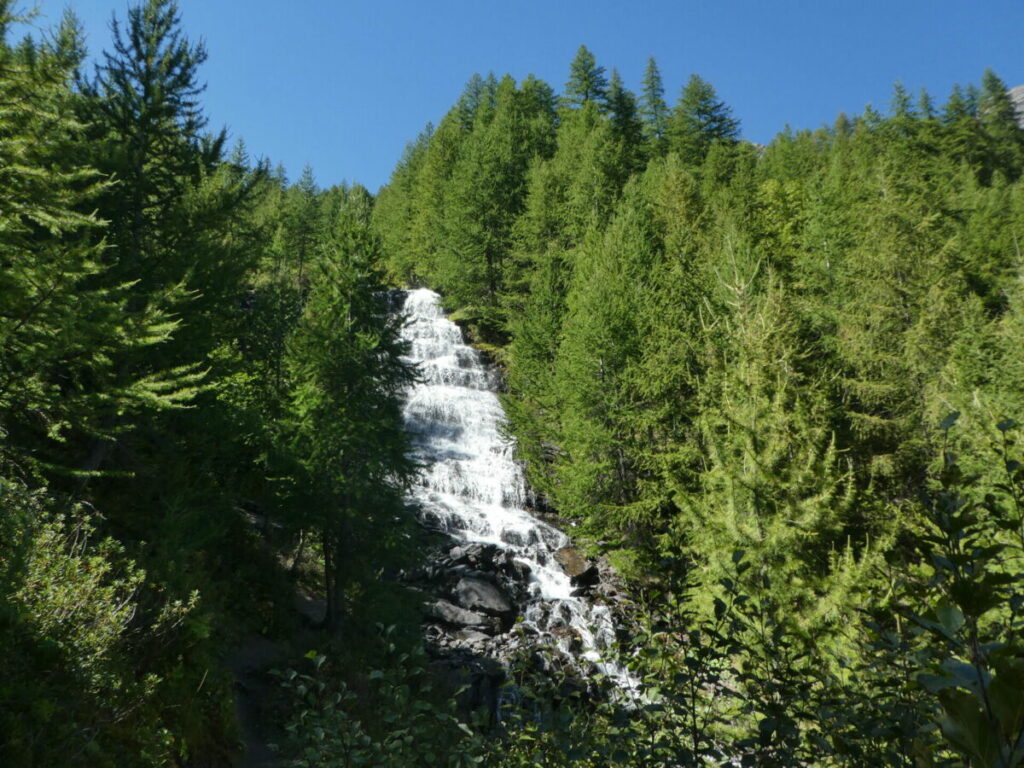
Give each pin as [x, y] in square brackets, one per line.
[625, 122]
[587, 81]
[699, 120]
[345, 423]
[1004, 135]
[64, 331]
[654, 112]
[145, 94]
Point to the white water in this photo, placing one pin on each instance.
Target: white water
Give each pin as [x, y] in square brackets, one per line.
[472, 488]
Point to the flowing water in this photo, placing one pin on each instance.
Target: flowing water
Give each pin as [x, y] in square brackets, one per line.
[472, 488]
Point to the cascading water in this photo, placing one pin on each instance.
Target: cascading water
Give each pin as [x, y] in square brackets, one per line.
[471, 487]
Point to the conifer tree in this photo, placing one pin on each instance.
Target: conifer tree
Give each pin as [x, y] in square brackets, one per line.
[1004, 135]
[600, 338]
[63, 327]
[395, 209]
[587, 81]
[626, 124]
[962, 135]
[654, 112]
[699, 120]
[146, 100]
[772, 482]
[346, 425]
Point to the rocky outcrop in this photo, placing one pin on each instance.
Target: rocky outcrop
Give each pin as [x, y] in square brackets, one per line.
[473, 598]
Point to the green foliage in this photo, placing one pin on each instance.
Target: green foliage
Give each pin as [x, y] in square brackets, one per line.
[724, 361]
[198, 355]
[394, 718]
[72, 610]
[743, 349]
[654, 111]
[587, 81]
[698, 121]
[344, 420]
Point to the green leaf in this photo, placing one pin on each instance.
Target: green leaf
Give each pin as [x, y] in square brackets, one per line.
[950, 617]
[949, 421]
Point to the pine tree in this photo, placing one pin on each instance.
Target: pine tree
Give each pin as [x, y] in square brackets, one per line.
[699, 120]
[962, 135]
[587, 81]
[772, 482]
[301, 224]
[654, 112]
[395, 210]
[600, 337]
[63, 326]
[346, 428]
[626, 124]
[1004, 135]
[146, 100]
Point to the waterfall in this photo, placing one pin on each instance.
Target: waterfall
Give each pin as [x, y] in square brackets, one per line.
[472, 488]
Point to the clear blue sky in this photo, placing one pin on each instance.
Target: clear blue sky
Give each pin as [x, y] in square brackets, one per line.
[345, 84]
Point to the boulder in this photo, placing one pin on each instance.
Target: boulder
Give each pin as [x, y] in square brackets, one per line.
[480, 595]
[572, 562]
[472, 636]
[444, 611]
[476, 553]
[586, 578]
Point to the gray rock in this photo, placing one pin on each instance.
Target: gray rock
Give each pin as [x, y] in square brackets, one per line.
[476, 553]
[444, 611]
[477, 594]
[472, 636]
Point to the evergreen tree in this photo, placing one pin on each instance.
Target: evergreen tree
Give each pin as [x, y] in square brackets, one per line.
[600, 337]
[395, 209]
[146, 99]
[654, 112]
[699, 120]
[587, 81]
[63, 327]
[626, 124]
[487, 191]
[1004, 135]
[346, 427]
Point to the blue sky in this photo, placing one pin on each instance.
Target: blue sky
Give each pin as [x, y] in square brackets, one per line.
[344, 84]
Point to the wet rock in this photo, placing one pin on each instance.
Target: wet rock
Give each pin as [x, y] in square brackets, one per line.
[478, 678]
[477, 554]
[478, 594]
[515, 538]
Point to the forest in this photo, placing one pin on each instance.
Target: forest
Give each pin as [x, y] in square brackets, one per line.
[774, 387]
